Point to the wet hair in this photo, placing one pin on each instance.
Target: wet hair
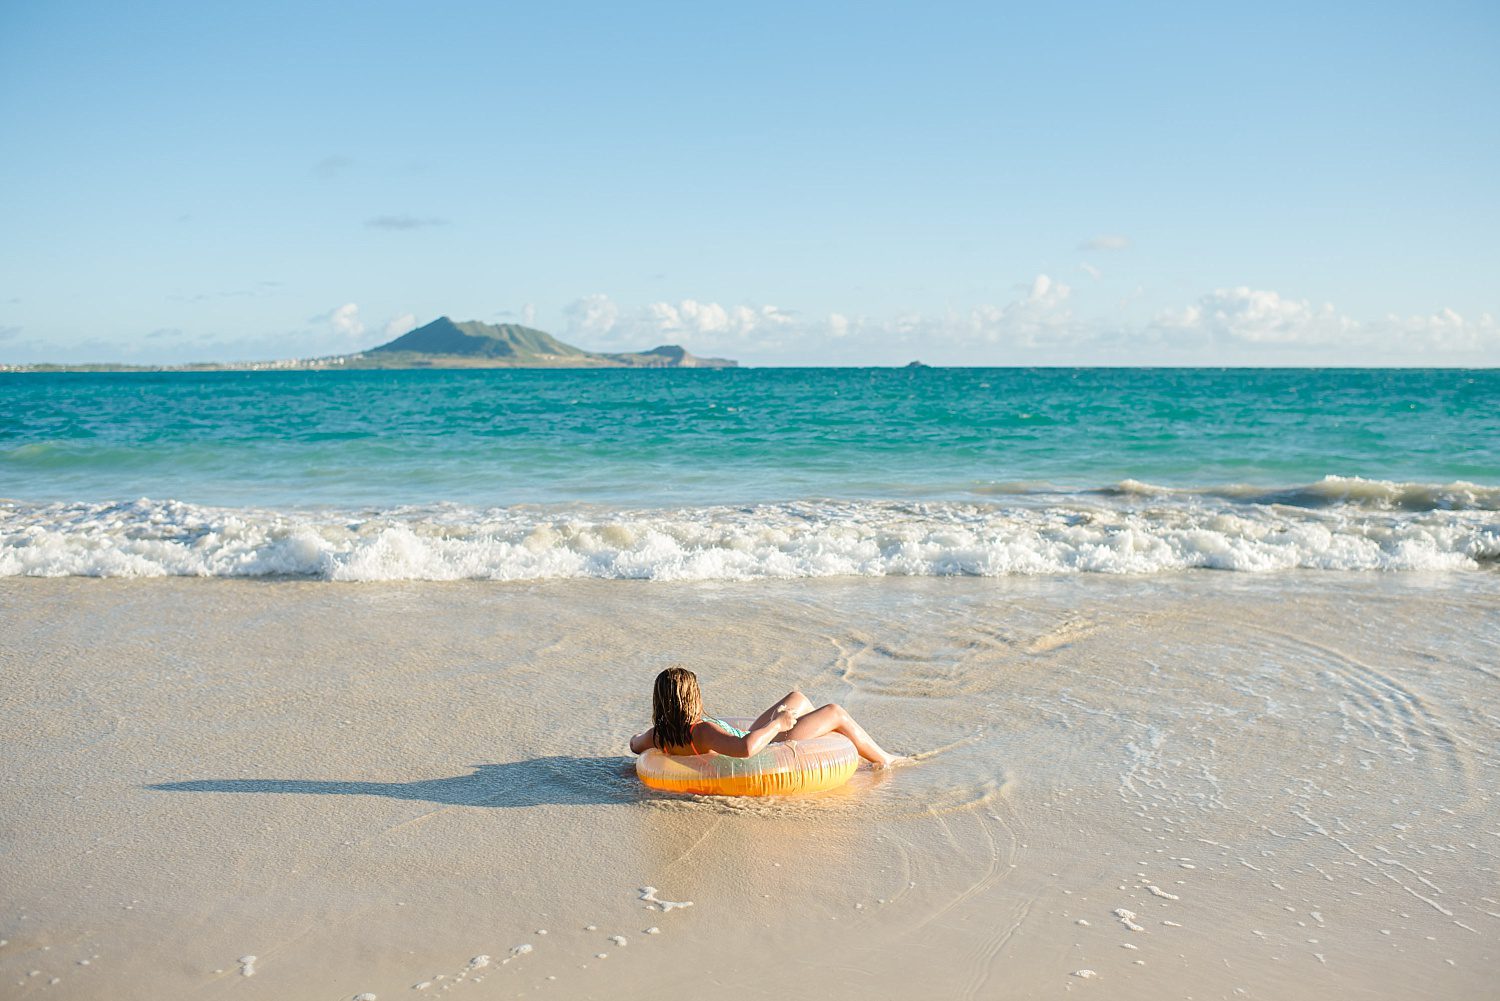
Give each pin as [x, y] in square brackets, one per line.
[676, 704]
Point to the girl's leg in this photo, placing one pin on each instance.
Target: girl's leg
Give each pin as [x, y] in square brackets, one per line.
[793, 700]
[834, 718]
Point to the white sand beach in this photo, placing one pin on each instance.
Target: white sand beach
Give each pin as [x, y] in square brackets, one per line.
[1191, 785]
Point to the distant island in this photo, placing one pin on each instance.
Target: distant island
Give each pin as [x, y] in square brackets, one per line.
[443, 343]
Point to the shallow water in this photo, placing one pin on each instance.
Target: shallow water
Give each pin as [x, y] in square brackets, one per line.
[1283, 782]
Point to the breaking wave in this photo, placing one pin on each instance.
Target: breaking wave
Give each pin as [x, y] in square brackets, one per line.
[1131, 528]
[1331, 491]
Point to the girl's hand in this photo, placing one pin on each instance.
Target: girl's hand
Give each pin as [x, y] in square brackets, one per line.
[784, 719]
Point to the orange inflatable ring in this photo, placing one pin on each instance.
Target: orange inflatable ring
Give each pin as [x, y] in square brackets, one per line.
[783, 768]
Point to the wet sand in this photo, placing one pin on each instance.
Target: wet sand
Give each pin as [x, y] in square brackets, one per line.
[1193, 785]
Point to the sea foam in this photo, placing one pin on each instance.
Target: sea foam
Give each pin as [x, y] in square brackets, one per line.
[1132, 529]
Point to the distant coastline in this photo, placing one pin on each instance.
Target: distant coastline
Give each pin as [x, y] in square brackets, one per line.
[441, 344]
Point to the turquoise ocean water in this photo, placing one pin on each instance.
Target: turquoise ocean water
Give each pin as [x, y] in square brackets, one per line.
[747, 473]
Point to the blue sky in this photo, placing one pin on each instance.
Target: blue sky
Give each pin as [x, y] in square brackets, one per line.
[784, 184]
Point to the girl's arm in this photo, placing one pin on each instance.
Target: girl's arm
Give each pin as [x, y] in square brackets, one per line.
[642, 742]
[751, 743]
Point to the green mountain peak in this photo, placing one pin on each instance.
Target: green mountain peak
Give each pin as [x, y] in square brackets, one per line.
[473, 339]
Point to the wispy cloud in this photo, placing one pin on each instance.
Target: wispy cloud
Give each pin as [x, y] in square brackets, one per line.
[703, 326]
[1044, 322]
[691, 317]
[1262, 318]
[337, 331]
[1040, 318]
[402, 222]
[1106, 241]
[526, 315]
[260, 289]
[332, 165]
[343, 323]
[594, 315]
[1048, 322]
[1256, 316]
[398, 325]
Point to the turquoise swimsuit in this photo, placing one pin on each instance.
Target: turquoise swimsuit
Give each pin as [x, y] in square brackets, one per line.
[733, 730]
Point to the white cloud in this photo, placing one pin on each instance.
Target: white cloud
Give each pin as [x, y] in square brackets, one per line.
[1040, 319]
[528, 315]
[713, 328]
[1263, 318]
[345, 321]
[398, 325]
[692, 317]
[1046, 292]
[1106, 241]
[1257, 316]
[1042, 316]
[1444, 331]
[1090, 270]
[1046, 322]
[594, 315]
[597, 322]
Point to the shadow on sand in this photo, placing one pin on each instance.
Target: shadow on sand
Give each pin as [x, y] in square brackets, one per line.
[559, 780]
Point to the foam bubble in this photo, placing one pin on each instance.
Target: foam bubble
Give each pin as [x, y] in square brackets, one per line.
[648, 894]
[1456, 528]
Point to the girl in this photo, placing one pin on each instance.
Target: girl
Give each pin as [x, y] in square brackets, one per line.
[680, 727]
